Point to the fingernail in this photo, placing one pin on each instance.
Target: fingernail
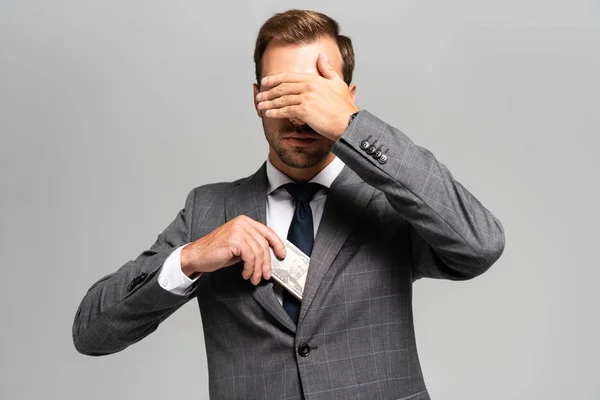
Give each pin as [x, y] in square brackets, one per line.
[269, 275]
[258, 96]
[263, 81]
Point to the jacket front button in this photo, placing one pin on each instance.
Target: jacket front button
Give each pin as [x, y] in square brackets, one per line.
[304, 349]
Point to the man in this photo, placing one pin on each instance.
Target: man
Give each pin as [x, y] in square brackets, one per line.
[373, 210]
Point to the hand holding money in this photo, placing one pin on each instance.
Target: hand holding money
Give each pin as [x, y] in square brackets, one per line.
[241, 239]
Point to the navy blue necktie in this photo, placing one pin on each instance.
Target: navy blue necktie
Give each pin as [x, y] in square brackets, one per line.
[301, 233]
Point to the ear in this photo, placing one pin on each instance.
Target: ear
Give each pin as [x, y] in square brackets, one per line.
[256, 91]
[352, 90]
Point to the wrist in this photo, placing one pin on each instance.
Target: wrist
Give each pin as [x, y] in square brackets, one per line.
[352, 116]
[344, 124]
[186, 264]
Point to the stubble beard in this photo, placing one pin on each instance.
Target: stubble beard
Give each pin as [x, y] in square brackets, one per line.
[299, 157]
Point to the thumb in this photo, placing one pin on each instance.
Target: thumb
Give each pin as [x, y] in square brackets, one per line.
[325, 67]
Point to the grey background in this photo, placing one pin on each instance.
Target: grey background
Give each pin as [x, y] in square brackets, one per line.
[111, 111]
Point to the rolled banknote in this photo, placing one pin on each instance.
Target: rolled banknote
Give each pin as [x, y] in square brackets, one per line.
[292, 270]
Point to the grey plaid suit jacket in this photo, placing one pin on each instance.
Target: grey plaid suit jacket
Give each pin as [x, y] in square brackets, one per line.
[384, 226]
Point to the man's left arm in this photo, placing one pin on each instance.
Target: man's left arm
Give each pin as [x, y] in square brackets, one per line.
[453, 235]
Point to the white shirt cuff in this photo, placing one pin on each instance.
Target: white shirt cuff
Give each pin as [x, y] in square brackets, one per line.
[171, 276]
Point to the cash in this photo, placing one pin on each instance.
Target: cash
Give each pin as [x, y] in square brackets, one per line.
[292, 270]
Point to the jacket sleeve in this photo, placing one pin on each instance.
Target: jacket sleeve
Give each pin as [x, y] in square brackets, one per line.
[127, 305]
[453, 236]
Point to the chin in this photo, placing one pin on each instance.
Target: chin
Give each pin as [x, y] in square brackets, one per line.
[301, 159]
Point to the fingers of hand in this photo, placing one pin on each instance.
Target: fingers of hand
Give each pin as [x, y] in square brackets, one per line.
[262, 268]
[285, 105]
[285, 112]
[239, 246]
[269, 234]
[283, 89]
[256, 260]
[255, 243]
[290, 99]
[252, 257]
[274, 80]
[243, 251]
[326, 68]
[285, 100]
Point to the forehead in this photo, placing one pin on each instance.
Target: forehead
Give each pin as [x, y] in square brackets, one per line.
[284, 57]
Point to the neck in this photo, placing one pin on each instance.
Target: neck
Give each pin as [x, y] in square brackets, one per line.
[300, 174]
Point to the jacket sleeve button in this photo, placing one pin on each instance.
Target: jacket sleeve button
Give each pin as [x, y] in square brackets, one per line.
[383, 159]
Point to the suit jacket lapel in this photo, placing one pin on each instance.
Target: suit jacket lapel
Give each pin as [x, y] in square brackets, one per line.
[347, 197]
[249, 198]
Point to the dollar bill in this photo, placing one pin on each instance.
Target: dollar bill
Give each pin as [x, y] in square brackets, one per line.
[291, 272]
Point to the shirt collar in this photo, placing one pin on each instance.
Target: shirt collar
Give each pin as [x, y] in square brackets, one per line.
[276, 178]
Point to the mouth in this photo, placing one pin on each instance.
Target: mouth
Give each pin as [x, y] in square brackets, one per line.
[303, 135]
[300, 140]
[303, 132]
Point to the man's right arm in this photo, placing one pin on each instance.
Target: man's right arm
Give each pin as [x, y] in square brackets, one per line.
[127, 305]
[124, 307]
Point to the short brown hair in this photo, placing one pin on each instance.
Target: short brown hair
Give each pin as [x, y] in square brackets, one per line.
[302, 27]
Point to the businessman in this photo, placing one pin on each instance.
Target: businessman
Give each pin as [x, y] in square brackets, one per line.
[373, 210]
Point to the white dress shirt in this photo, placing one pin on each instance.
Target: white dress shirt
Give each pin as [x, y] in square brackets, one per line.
[280, 211]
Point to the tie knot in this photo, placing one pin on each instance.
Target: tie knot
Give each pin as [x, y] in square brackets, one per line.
[302, 191]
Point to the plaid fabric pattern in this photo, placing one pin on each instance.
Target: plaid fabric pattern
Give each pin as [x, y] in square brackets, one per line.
[384, 226]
